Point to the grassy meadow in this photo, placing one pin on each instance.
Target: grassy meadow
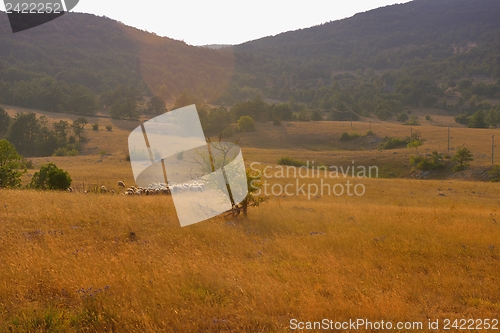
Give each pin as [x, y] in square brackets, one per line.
[406, 250]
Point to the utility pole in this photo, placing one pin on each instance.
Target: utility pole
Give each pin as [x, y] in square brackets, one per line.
[448, 139]
[492, 150]
[351, 118]
[370, 124]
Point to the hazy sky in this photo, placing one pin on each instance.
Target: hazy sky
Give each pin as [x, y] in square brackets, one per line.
[200, 22]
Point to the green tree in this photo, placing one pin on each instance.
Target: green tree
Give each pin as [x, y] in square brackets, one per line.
[82, 100]
[282, 112]
[316, 116]
[477, 120]
[246, 124]
[402, 117]
[61, 130]
[415, 143]
[24, 132]
[10, 176]
[156, 105]
[125, 110]
[215, 120]
[120, 95]
[58, 180]
[50, 177]
[4, 121]
[186, 98]
[254, 184]
[255, 108]
[78, 126]
[462, 156]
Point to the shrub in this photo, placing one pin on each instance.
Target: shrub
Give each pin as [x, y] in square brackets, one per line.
[402, 117]
[276, 122]
[58, 180]
[369, 133]
[427, 117]
[50, 177]
[304, 115]
[63, 151]
[427, 163]
[413, 121]
[4, 121]
[462, 119]
[246, 124]
[109, 128]
[345, 137]
[253, 184]
[26, 164]
[291, 162]
[95, 127]
[348, 137]
[316, 116]
[10, 161]
[462, 156]
[228, 131]
[393, 143]
[494, 174]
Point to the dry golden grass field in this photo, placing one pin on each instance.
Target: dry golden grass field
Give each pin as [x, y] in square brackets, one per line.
[407, 250]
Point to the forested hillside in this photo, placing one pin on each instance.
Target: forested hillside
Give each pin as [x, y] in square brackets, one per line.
[421, 53]
[387, 38]
[71, 60]
[379, 62]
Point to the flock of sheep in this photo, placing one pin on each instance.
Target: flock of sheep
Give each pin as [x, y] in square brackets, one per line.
[152, 189]
[163, 188]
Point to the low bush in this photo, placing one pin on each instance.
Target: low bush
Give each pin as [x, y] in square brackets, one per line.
[393, 143]
[228, 131]
[494, 174]
[316, 116]
[246, 124]
[462, 119]
[348, 137]
[50, 177]
[291, 162]
[63, 151]
[402, 117]
[435, 161]
[413, 121]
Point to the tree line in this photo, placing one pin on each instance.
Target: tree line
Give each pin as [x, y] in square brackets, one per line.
[33, 136]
